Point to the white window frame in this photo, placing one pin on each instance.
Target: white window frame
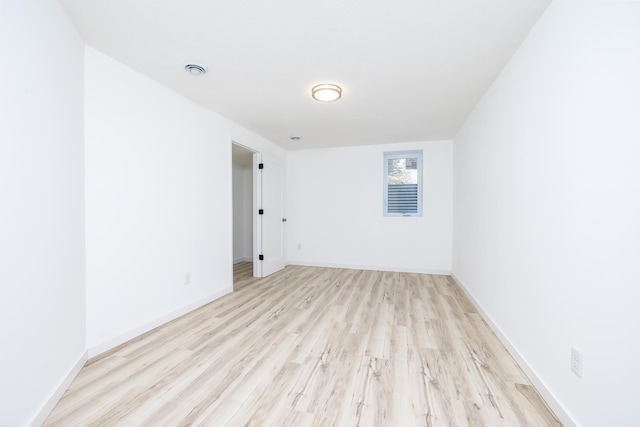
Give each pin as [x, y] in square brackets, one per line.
[388, 155]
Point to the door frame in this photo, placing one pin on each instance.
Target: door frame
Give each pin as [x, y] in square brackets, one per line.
[257, 224]
[254, 202]
[257, 201]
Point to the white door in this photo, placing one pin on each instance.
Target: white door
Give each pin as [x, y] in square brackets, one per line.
[271, 220]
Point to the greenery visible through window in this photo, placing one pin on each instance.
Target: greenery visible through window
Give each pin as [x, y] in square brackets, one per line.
[403, 183]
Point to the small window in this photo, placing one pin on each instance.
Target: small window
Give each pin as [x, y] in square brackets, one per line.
[403, 183]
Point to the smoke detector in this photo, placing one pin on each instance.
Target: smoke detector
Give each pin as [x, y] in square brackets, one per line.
[195, 69]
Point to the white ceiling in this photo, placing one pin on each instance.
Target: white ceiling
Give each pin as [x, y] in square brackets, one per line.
[410, 70]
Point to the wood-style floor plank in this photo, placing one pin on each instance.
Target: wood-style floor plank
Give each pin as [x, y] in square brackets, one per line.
[312, 347]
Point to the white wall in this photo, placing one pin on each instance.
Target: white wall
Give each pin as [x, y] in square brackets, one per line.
[42, 309]
[158, 202]
[247, 215]
[547, 206]
[335, 215]
[242, 212]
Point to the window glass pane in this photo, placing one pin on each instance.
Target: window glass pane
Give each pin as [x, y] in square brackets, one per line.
[403, 171]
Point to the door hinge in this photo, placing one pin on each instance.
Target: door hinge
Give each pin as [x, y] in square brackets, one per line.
[261, 257]
[260, 165]
[260, 211]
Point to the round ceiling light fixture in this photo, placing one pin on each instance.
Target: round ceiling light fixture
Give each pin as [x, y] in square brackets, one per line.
[195, 69]
[326, 92]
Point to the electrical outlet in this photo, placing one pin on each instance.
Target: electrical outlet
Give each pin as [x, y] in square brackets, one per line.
[299, 246]
[576, 361]
[187, 278]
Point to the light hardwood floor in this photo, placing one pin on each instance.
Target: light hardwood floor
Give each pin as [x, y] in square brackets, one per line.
[313, 347]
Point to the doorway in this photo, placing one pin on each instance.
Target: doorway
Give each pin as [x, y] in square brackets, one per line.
[243, 193]
[258, 212]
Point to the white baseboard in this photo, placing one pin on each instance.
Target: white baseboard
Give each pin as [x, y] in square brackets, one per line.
[142, 329]
[371, 267]
[245, 259]
[55, 397]
[540, 386]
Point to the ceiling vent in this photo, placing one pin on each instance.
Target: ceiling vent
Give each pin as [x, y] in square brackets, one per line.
[195, 69]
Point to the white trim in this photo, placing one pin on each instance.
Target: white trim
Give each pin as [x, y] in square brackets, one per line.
[45, 410]
[231, 229]
[371, 267]
[257, 219]
[540, 386]
[244, 259]
[135, 332]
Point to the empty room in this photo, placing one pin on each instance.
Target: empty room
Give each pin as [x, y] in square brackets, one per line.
[338, 213]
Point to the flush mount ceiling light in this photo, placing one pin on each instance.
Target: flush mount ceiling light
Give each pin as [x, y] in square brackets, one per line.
[195, 69]
[326, 92]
